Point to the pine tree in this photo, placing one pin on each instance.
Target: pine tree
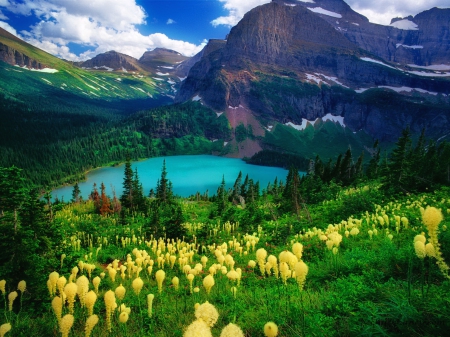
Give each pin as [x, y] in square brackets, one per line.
[221, 200]
[126, 199]
[397, 175]
[76, 193]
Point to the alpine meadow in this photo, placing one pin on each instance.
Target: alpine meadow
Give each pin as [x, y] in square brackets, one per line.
[353, 240]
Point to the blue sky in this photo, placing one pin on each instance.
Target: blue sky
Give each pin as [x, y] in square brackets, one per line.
[81, 29]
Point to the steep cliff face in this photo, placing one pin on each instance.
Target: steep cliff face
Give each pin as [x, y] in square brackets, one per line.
[291, 61]
[14, 56]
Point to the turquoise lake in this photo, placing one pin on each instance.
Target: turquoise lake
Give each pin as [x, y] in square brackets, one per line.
[188, 174]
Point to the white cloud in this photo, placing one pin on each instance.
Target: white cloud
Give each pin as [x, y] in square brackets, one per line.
[382, 11]
[3, 16]
[8, 28]
[170, 21]
[101, 25]
[237, 9]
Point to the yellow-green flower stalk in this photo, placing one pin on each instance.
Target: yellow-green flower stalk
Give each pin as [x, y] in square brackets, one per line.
[301, 270]
[150, 298]
[432, 217]
[71, 291]
[160, 276]
[96, 282]
[137, 285]
[123, 317]
[3, 287]
[175, 283]
[60, 284]
[207, 313]
[91, 322]
[232, 330]
[270, 329]
[190, 278]
[120, 292]
[110, 304]
[22, 286]
[82, 288]
[11, 297]
[4, 328]
[198, 328]
[208, 283]
[90, 299]
[66, 325]
[419, 248]
[57, 305]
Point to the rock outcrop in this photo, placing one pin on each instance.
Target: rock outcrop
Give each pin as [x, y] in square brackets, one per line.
[287, 61]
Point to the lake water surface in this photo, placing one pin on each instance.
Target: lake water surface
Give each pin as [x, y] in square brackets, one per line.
[188, 174]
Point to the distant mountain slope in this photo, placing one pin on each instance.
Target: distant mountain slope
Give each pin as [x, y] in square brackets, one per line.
[34, 77]
[296, 63]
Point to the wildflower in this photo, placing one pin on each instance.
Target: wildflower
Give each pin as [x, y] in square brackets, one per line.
[11, 297]
[82, 288]
[96, 282]
[175, 282]
[123, 317]
[90, 300]
[198, 328]
[429, 248]
[57, 305]
[208, 283]
[110, 304]
[207, 313]
[160, 276]
[301, 270]
[297, 249]
[270, 329]
[22, 286]
[137, 285]
[71, 290]
[232, 330]
[419, 248]
[66, 324]
[150, 298]
[3, 286]
[234, 291]
[4, 328]
[432, 217]
[91, 322]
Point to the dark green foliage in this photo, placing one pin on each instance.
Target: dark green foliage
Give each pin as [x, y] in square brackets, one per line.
[278, 159]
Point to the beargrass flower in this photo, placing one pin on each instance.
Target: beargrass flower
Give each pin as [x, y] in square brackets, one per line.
[270, 329]
[91, 322]
[3, 287]
[232, 330]
[110, 304]
[160, 276]
[208, 283]
[198, 328]
[71, 290]
[96, 282]
[150, 298]
[57, 306]
[4, 328]
[66, 325]
[207, 313]
[11, 297]
[137, 285]
[123, 317]
[89, 300]
[301, 270]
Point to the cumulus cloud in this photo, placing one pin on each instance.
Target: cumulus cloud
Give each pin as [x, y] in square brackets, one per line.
[3, 16]
[100, 25]
[6, 26]
[170, 21]
[236, 9]
[382, 11]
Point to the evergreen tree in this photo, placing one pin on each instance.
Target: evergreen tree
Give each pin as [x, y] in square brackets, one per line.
[76, 193]
[126, 199]
[221, 200]
[105, 203]
[397, 175]
[372, 169]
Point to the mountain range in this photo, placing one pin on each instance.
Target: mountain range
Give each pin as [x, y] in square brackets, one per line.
[301, 77]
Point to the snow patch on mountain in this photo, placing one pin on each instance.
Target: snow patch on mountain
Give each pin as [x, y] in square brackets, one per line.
[437, 67]
[368, 59]
[320, 10]
[405, 24]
